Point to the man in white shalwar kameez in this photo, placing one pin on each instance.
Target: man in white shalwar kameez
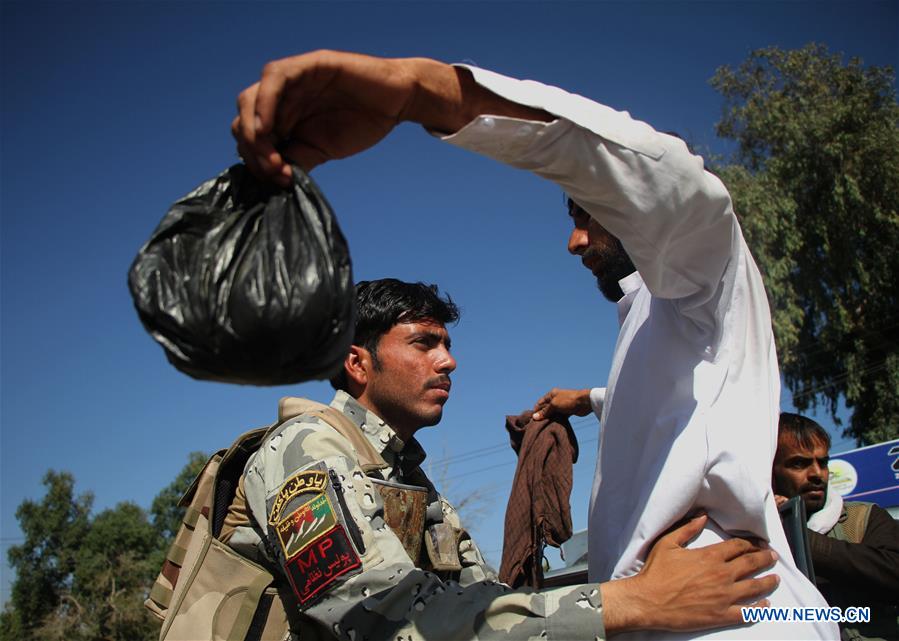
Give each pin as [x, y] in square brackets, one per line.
[689, 417]
[689, 414]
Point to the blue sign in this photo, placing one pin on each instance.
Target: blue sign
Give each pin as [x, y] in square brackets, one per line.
[867, 474]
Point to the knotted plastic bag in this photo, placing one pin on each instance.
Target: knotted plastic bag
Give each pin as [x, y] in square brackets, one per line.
[243, 282]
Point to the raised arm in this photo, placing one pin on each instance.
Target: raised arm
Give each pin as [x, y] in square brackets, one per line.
[674, 219]
[325, 105]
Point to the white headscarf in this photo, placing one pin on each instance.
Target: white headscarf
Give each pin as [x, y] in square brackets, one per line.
[824, 519]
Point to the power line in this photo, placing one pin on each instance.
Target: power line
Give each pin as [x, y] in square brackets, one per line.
[807, 352]
[583, 422]
[577, 425]
[837, 379]
[506, 463]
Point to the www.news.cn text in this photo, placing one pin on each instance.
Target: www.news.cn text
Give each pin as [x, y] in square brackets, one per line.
[753, 614]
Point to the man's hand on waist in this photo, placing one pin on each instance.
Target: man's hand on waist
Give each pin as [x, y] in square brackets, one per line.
[680, 589]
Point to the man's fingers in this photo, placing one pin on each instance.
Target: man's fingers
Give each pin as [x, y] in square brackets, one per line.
[685, 533]
[256, 149]
[733, 616]
[750, 590]
[748, 596]
[268, 95]
[747, 565]
[541, 406]
[246, 112]
[304, 156]
[275, 168]
[731, 549]
[758, 587]
[249, 159]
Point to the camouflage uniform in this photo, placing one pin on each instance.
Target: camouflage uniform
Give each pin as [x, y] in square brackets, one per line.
[349, 575]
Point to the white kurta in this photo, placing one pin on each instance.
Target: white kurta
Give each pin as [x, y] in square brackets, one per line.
[690, 412]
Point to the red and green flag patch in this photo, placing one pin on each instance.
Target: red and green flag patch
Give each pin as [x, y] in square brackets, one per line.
[305, 524]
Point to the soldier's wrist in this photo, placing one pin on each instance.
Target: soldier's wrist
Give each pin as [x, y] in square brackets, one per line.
[624, 608]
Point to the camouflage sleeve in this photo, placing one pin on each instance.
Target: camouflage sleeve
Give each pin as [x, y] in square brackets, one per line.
[323, 525]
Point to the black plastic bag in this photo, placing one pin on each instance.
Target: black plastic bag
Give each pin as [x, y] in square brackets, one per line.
[243, 282]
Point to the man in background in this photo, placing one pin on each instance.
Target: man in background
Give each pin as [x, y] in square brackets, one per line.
[854, 546]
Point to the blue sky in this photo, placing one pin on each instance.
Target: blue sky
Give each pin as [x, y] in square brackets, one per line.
[111, 111]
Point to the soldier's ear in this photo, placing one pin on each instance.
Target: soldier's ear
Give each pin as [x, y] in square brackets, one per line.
[357, 365]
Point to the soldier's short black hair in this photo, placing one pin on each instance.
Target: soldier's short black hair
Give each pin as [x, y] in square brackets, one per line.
[804, 431]
[381, 304]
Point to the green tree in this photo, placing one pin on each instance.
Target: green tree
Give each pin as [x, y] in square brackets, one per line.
[85, 578]
[45, 562]
[111, 577]
[815, 181]
[164, 510]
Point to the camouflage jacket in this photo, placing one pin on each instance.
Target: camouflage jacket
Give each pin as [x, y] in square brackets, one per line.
[317, 520]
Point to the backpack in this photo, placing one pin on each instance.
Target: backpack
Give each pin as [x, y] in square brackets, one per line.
[205, 589]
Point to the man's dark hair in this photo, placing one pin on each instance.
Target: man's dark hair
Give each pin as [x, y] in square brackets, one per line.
[804, 431]
[381, 304]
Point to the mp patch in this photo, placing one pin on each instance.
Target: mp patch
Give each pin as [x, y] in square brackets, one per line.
[308, 481]
[305, 524]
[318, 565]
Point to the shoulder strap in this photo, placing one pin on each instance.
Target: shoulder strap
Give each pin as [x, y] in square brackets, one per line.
[369, 458]
[230, 472]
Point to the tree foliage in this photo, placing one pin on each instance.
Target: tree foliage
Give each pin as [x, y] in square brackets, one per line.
[164, 510]
[815, 180]
[84, 577]
[45, 563]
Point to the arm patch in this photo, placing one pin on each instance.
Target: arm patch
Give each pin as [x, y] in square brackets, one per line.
[320, 563]
[296, 485]
[309, 531]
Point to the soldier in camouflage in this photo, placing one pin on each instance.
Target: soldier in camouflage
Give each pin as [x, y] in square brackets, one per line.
[370, 550]
[324, 517]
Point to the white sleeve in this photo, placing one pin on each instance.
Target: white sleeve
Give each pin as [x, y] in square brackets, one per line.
[674, 218]
[597, 398]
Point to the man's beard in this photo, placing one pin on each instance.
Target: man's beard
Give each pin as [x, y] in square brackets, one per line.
[613, 264]
[814, 487]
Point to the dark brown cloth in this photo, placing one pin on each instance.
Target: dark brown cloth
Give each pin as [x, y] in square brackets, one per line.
[538, 510]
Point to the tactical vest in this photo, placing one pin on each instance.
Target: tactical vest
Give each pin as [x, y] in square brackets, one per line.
[852, 527]
[206, 590]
